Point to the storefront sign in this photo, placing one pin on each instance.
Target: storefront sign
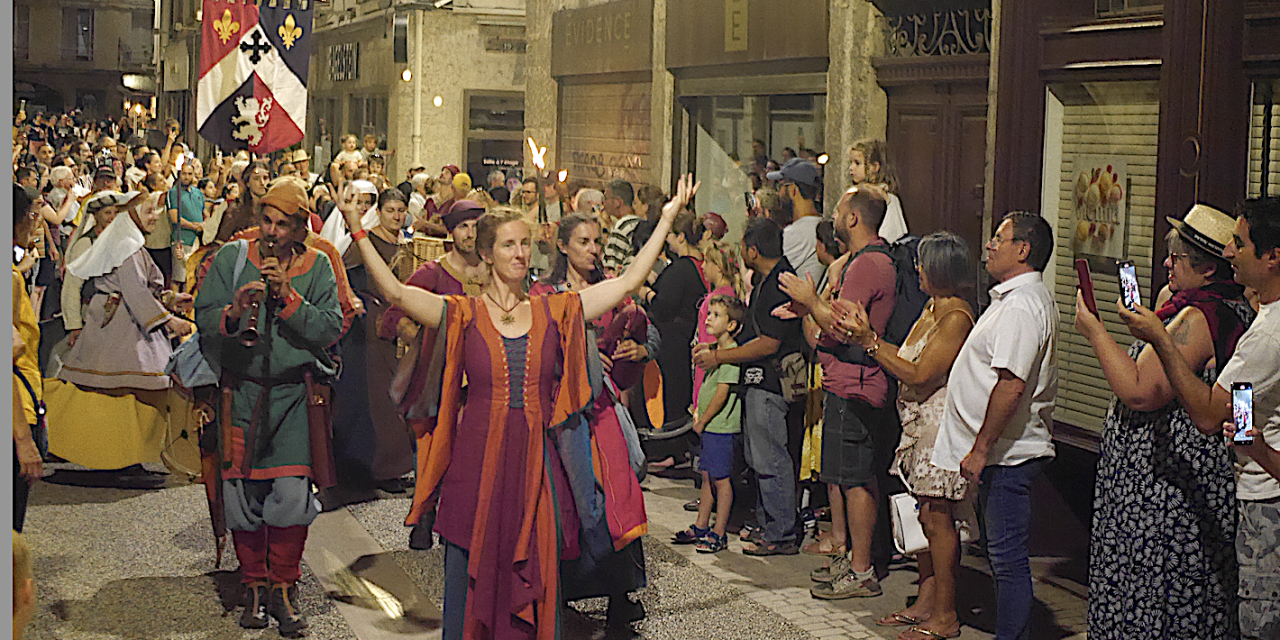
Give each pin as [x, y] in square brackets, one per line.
[609, 38]
[735, 25]
[344, 62]
[702, 33]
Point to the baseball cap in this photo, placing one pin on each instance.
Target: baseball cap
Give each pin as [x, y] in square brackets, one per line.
[104, 172]
[797, 170]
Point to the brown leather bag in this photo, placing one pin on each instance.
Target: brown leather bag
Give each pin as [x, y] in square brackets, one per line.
[320, 421]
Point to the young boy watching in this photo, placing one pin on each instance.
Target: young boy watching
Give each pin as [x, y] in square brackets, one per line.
[719, 421]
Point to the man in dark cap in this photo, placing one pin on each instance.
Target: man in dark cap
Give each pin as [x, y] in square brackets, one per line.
[274, 432]
[458, 272]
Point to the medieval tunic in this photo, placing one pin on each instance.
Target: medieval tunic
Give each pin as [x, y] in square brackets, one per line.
[292, 343]
[598, 454]
[371, 441]
[504, 497]
[108, 409]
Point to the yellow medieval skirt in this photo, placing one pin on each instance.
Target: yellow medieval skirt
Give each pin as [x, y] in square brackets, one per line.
[105, 428]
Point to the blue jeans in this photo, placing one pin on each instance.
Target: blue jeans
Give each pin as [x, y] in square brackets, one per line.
[764, 434]
[1005, 494]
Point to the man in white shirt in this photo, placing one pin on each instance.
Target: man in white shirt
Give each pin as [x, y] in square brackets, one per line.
[997, 425]
[798, 188]
[1254, 253]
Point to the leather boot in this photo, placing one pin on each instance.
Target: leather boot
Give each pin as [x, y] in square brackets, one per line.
[255, 606]
[284, 608]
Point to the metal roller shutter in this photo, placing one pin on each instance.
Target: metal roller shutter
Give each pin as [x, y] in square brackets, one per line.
[605, 131]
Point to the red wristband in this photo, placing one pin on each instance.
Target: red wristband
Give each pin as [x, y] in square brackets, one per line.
[357, 236]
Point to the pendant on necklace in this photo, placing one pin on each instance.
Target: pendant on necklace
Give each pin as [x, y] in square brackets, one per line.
[508, 319]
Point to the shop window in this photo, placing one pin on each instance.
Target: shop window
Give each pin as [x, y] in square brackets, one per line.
[368, 116]
[1099, 192]
[495, 134]
[722, 141]
[1264, 140]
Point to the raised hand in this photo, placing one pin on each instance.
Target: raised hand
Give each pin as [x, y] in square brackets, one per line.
[686, 188]
[349, 207]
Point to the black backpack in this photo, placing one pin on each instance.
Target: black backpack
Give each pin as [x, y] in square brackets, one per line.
[909, 300]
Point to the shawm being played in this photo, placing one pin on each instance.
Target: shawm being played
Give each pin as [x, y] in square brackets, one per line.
[504, 496]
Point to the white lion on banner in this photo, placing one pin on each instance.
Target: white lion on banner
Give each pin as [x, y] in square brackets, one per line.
[251, 120]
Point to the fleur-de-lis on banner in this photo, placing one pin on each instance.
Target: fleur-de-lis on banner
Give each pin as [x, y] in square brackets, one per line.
[290, 31]
[226, 26]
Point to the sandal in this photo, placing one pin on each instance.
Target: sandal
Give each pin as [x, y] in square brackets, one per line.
[751, 533]
[824, 545]
[933, 635]
[691, 535]
[712, 543]
[898, 619]
[762, 549]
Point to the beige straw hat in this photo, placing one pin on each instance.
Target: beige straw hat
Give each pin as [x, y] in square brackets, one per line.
[1207, 228]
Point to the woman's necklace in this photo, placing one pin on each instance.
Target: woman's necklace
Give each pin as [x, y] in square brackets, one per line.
[507, 317]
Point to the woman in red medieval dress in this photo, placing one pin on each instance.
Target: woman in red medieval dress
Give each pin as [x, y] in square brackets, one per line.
[506, 508]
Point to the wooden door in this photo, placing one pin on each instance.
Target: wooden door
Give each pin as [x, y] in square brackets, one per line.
[937, 136]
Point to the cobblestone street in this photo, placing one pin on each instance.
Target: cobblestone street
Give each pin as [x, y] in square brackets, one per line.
[148, 572]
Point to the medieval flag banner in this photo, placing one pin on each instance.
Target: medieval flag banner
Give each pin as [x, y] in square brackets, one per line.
[253, 73]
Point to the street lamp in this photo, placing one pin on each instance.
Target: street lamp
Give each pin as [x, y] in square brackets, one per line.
[407, 75]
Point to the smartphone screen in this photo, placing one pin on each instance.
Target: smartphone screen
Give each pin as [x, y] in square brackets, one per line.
[1242, 411]
[1086, 285]
[1131, 297]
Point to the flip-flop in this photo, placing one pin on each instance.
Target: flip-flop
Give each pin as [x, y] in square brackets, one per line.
[933, 635]
[898, 619]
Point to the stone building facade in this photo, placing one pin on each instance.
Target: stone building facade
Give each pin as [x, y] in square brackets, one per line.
[460, 102]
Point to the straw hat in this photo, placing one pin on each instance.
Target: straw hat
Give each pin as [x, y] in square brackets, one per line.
[300, 155]
[1207, 228]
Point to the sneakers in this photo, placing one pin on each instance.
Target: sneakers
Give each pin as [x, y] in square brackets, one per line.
[284, 608]
[848, 585]
[255, 606]
[831, 570]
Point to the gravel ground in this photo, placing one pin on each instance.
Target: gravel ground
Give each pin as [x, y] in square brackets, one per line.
[114, 563]
[682, 600]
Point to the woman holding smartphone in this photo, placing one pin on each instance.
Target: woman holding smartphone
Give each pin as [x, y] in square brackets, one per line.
[1164, 509]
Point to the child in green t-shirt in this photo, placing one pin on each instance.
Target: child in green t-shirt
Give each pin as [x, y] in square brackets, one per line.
[719, 420]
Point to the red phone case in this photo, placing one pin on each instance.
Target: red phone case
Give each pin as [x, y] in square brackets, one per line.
[1086, 285]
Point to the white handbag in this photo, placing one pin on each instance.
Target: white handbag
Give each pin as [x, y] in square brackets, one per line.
[908, 535]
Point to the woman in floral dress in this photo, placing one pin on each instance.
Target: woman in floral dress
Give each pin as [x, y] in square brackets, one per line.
[1162, 556]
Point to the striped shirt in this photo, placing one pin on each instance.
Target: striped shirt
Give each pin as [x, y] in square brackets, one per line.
[618, 251]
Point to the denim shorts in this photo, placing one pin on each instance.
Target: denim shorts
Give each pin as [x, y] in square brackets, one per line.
[849, 433]
[720, 454]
